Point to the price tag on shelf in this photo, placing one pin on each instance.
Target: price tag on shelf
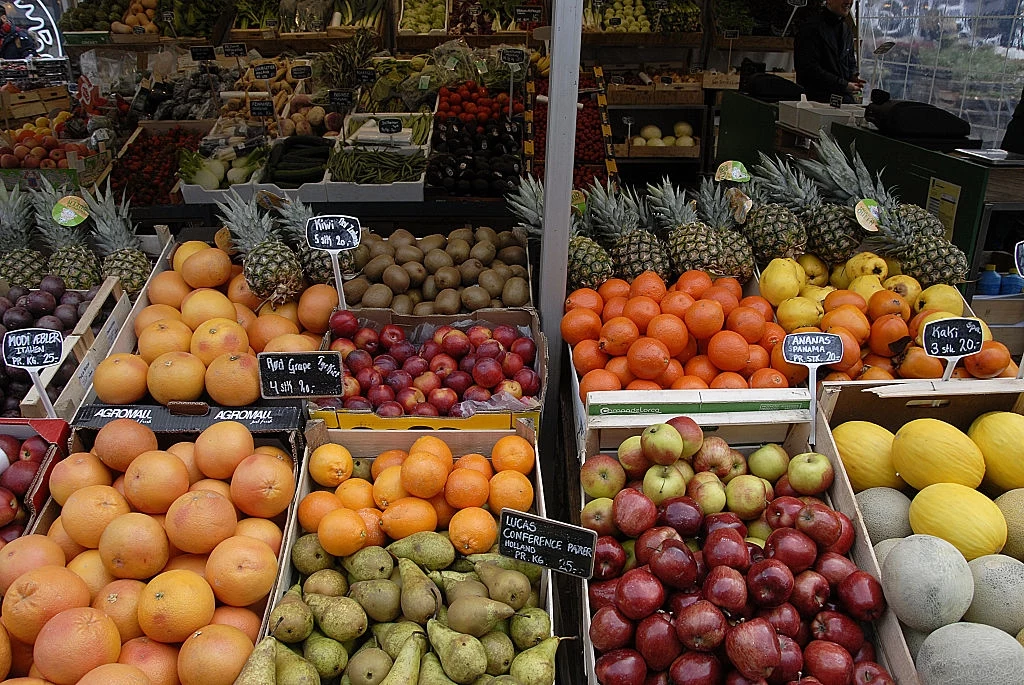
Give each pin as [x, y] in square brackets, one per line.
[334, 233]
[660, 5]
[261, 108]
[34, 349]
[475, 10]
[366, 76]
[302, 71]
[264, 71]
[618, 80]
[389, 126]
[341, 98]
[271, 23]
[202, 53]
[552, 544]
[1018, 257]
[951, 339]
[615, 21]
[300, 374]
[528, 13]
[235, 50]
[168, 16]
[812, 350]
[666, 80]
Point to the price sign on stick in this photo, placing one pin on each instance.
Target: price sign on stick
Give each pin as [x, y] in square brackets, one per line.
[812, 350]
[261, 108]
[34, 349]
[366, 76]
[951, 339]
[264, 71]
[302, 71]
[340, 98]
[334, 233]
[235, 50]
[202, 53]
[551, 544]
[300, 374]
[389, 126]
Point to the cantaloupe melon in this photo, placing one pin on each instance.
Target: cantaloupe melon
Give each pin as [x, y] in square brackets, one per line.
[883, 548]
[1020, 637]
[927, 451]
[927, 582]
[1000, 435]
[998, 593]
[866, 451]
[969, 654]
[1012, 505]
[886, 513]
[914, 638]
[960, 515]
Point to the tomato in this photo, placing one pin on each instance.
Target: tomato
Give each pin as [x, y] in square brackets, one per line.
[480, 129]
[482, 116]
[502, 98]
[464, 92]
[455, 99]
[485, 102]
[455, 110]
[471, 85]
[519, 107]
[470, 108]
[443, 92]
[441, 115]
[442, 106]
[484, 111]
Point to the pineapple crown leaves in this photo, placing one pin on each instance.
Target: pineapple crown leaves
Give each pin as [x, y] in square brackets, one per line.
[248, 224]
[112, 225]
[843, 179]
[526, 203]
[56, 236]
[713, 207]
[15, 218]
[640, 204]
[609, 214]
[785, 185]
[669, 205]
[292, 217]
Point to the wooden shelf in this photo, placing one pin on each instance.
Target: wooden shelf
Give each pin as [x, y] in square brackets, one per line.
[755, 44]
[413, 43]
[611, 39]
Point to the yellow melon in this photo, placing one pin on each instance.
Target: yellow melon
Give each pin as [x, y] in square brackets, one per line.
[961, 516]
[866, 451]
[999, 435]
[928, 451]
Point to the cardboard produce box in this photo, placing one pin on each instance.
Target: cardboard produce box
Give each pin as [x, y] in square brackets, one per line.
[55, 432]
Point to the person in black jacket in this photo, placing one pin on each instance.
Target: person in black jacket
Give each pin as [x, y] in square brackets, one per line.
[826, 63]
[1013, 139]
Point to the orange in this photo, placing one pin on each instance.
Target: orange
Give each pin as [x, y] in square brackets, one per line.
[587, 298]
[690, 383]
[746, 321]
[773, 335]
[330, 465]
[671, 331]
[466, 488]
[176, 376]
[216, 337]
[406, 516]
[385, 459]
[435, 446]
[476, 462]
[233, 380]
[342, 532]
[276, 452]
[314, 507]
[510, 489]
[374, 533]
[74, 642]
[729, 380]
[239, 293]
[388, 488]
[262, 486]
[244, 316]
[186, 451]
[620, 367]
[423, 474]
[641, 309]
[26, 553]
[288, 310]
[186, 250]
[154, 480]
[355, 493]
[115, 674]
[767, 378]
[730, 284]
[648, 284]
[639, 384]
[648, 358]
[213, 655]
[587, 356]
[701, 367]
[613, 307]
[704, 318]
[154, 312]
[580, 324]
[613, 287]
[222, 447]
[89, 566]
[473, 531]
[57, 533]
[760, 305]
[616, 336]
[134, 546]
[261, 529]
[207, 268]
[757, 358]
[676, 303]
[693, 283]
[292, 342]
[672, 373]
[88, 511]
[316, 304]
[157, 660]
[198, 521]
[196, 563]
[246, 620]
[795, 375]
[174, 605]
[120, 601]
[121, 440]
[37, 596]
[443, 510]
[169, 288]
[241, 570]
[205, 304]
[728, 350]
[598, 379]
[266, 327]
[724, 296]
[515, 453]
[120, 379]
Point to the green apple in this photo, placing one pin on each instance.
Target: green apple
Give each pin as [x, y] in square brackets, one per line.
[769, 462]
[661, 444]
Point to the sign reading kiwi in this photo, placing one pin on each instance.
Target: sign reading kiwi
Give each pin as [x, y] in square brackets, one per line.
[300, 374]
[334, 233]
[552, 544]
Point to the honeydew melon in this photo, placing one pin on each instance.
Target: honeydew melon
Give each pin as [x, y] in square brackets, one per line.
[886, 513]
[998, 593]
[968, 654]
[927, 582]
[1012, 505]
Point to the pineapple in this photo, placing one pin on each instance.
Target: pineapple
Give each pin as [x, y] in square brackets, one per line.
[71, 258]
[774, 227]
[588, 263]
[715, 210]
[929, 259]
[316, 264]
[921, 221]
[116, 241]
[19, 263]
[616, 223]
[271, 269]
[691, 243]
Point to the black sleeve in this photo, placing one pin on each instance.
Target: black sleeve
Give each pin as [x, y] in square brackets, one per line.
[810, 53]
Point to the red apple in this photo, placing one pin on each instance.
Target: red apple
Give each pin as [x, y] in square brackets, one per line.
[621, 667]
[386, 363]
[379, 394]
[402, 351]
[726, 547]
[723, 519]
[429, 349]
[784, 618]
[525, 348]
[425, 409]
[511, 364]
[865, 653]
[791, 547]
[12, 531]
[398, 379]
[610, 629]
[455, 344]
[701, 626]
[715, 456]
[390, 335]
[390, 409]
[510, 387]
[343, 345]
[478, 334]
[443, 399]
[487, 373]
[819, 523]
[475, 393]
[657, 679]
[427, 382]
[631, 456]
[870, 673]
[845, 541]
[34, 449]
[489, 349]
[443, 364]
[696, 668]
[409, 398]
[440, 332]
[639, 594]
[10, 448]
[790, 663]
[834, 567]
[770, 582]
[782, 511]
[691, 433]
[8, 506]
[828, 662]
[651, 539]
[674, 565]
[369, 378]
[839, 628]
[343, 323]
[459, 381]
[467, 363]
[598, 516]
[861, 596]
[783, 488]
[810, 593]
[725, 587]
[680, 599]
[602, 476]
[31, 162]
[753, 648]
[657, 642]
[633, 512]
[602, 594]
[529, 380]
[47, 163]
[609, 560]
[357, 360]
[681, 513]
[19, 476]
[507, 335]
[737, 678]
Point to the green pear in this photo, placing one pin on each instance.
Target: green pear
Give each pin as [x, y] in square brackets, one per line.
[529, 627]
[531, 571]
[420, 597]
[462, 656]
[361, 469]
[369, 563]
[292, 669]
[328, 656]
[260, 667]
[485, 679]
[369, 667]
[406, 670]
[326, 582]
[392, 636]
[781, 280]
[504, 585]
[461, 565]
[500, 652]
[431, 671]
[533, 601]
[458, 585]
[427, 548]
[308, 556]
[291, 620]
[476, 616]
[340, 618]
[380, 599]
[536, 665]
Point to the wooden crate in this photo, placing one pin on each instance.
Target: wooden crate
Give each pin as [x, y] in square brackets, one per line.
[17, 107]
[623, 150]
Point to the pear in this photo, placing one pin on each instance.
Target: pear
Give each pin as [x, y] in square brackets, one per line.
[818, 293]
[328, 656]
[536, 665]
[361, 469]
[440, 578]
[839, 278]
[380, 599]
[392, 636]
[340, 618]
[461, 565]
[895, 268]
[503, 680]
[531, 571]
[427, 548]
[454, 589]
[781, 280]
[369, 563]
[260, 667]
[477, 615]
[431, 671]
[500, 652]
[533, 601]
[406, 670]
[945, 298]
[816, 270]
[420, 597]
[529, 627]
[906, 287]
[326, 582]
[308, 556]
[292, 669]
[797, 312]
[867, 264]
[866, 286]
[462, 656]
[503, 585]
[368, 667]
[291, 620]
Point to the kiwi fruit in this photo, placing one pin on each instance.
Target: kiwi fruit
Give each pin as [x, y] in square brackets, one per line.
[379, 247]
[491, 281]
[519, 272]
[401, 237]
[417, 273]
[447, 302]
[462, 234]
[497, 304]
[458, 249]
[436, 259]
[484, 251]
[512, 255]
[516, 292]
[374, 269]
[507, 239]
[447, 277]
[415, 295]
[396, 278]
[429, 288]
[408, 253]
[423, 309]
[474, 297]
[486, 233]
[355, 289]
[503, 269]
[435, 241]
[470, 270]
[360, 256]
[402, 304]
[378, 296]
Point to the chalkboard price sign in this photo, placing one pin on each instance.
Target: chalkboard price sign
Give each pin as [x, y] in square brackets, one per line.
[138, 30]
[235, 50]
[835, 101]
[264, 71]
[523, 13]
[333, 232]
[513, 56]
[1018, 257]
[32, 348]
[809, 349]
[168, 16]
[551, 544]
[615, 21]
[202, 53]
[952, 338]
[389, 126]
[731, 34]
[302, 71]
[261, 108]
[341, 98]
[300, 374]
[366, 76]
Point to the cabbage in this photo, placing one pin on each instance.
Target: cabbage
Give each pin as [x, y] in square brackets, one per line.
[650, 131]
